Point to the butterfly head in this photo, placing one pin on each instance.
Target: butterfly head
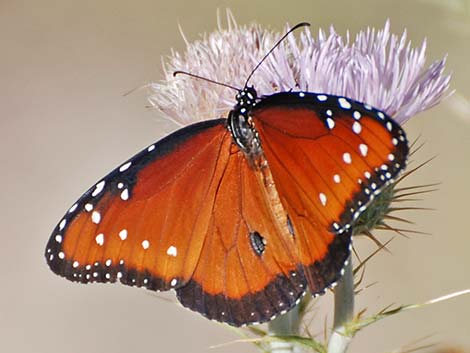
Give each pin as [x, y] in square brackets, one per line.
[246, 98]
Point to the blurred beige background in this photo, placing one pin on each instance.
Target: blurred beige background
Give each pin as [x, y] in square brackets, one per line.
[64, 67]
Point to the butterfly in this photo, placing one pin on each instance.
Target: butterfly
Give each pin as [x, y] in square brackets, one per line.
[240, 216]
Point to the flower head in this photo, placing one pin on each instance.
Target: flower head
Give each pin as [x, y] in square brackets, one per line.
[377, 67]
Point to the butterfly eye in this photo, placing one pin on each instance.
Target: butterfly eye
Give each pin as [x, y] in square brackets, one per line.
[258, 243]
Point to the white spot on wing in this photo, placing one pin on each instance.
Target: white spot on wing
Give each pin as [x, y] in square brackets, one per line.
[357, 128]
[123, 234]
[172, 251]
[125, 166]
[62, 224]
[322, 97]
[125, 194]
[96, 217]
[347, 158]
[151, 148]
[100, 239]
[98, 188]
[357, 115]
[337, 178]
[322, 198]
[330, 122]
[88, 207]
[145, 244]
[73, 208]
[343, 102]
[364, 149]
[58, 238]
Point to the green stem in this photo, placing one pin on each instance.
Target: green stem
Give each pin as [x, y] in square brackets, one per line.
[344, 311]
[285, 325]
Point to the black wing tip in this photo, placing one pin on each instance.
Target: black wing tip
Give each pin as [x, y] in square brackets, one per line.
[99, 272]
[54, 254]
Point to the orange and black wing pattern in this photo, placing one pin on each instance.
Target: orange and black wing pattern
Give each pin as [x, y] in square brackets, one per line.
[329, 156]
[144, 223]
[239, 236]
[187, 213]
[248, 269]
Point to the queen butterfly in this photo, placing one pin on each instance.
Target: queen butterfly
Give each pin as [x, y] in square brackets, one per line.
[240, 216]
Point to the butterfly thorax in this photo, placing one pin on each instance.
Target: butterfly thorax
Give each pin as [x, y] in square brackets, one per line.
[241, 125]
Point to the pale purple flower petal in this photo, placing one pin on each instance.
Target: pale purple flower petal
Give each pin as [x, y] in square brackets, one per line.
[377, 68]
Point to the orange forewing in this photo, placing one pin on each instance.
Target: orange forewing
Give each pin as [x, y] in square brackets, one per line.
[187, 217]
[320, 170]
[147, 231]
[326, 173]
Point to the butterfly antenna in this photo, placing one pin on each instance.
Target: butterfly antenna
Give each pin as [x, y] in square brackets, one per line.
[299, 25]
[179, 72]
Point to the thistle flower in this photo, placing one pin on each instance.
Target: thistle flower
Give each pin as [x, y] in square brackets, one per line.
[377, 67]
